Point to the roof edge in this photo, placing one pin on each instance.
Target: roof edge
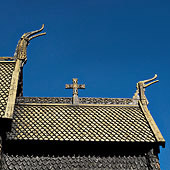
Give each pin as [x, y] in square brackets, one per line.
[2, 59]
[13, 90]
[152, 124]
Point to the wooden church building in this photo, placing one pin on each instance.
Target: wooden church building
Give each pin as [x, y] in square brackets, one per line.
[73, 133]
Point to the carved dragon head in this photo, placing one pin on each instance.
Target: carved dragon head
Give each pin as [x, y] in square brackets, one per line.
[21, 49]
[146, 81]
[141, 89]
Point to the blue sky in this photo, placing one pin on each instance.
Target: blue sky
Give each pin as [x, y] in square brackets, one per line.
[109, 45]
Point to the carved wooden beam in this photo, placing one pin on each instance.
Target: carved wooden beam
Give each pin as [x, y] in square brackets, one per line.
[152, 124]
[21, 57]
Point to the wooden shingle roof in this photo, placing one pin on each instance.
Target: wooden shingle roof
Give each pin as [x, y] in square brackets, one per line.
[94, 119]
[62, 122]
[140, 162]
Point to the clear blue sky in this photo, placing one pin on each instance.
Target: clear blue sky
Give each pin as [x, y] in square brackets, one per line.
[109, 45]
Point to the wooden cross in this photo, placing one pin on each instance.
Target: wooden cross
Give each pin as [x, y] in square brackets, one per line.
[75, 86]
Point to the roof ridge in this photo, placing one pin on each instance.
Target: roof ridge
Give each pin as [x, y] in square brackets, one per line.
[82, 100]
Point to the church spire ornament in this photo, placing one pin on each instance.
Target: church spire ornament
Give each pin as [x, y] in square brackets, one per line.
[75, 86]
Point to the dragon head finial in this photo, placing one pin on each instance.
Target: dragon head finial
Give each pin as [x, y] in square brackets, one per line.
[21, 49]
[141, 89]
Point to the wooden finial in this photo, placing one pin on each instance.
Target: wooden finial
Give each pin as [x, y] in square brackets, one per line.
[141, 89]
[75, 86]
[21, 49]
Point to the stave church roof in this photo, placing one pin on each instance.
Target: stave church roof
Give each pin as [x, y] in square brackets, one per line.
[121, 130]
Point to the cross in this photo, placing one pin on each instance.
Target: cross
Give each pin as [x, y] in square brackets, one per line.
[75, 86]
